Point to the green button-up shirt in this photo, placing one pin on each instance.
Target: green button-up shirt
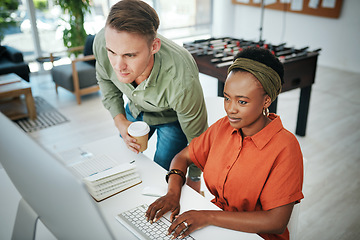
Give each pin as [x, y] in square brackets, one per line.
[172, 91]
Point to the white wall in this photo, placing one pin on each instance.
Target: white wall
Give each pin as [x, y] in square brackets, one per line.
[339, 38]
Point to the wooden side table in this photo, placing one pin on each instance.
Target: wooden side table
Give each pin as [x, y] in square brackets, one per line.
[11, 103]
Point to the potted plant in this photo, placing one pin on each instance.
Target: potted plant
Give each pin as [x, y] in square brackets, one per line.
[74, 35]
[6, 8]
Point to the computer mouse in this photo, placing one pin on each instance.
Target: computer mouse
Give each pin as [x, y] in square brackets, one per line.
[154, 191]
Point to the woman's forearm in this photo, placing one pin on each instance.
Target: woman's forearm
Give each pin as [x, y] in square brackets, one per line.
[271, 221]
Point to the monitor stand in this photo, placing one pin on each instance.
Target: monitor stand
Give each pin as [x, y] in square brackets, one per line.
[25, 222]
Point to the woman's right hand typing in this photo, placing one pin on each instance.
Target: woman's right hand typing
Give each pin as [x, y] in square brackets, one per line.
[169, 202]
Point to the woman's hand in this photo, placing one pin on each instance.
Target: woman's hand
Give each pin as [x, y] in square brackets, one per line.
[169, 202]
[188, 222]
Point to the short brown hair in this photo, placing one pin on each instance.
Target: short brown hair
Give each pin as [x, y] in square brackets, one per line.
[134, 16]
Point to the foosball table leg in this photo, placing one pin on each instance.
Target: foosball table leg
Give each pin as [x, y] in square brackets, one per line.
[303, 111]
[221, 88]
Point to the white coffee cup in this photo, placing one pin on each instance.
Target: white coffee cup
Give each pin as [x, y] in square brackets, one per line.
[140, 131]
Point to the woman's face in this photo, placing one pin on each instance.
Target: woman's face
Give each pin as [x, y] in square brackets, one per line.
[244, 101]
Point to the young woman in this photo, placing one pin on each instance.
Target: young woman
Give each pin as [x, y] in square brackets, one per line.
[251, 164]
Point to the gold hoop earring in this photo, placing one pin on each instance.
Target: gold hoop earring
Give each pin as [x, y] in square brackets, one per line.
[266, 112]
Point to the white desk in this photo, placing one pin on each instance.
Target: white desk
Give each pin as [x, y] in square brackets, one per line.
[151, 174]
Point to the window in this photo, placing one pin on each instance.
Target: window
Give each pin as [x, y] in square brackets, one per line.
[179, 19]
[183, 18]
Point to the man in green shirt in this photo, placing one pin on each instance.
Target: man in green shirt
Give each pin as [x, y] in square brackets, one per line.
[160, 79]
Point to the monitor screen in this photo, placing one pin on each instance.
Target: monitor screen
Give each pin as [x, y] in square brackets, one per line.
[59, 199]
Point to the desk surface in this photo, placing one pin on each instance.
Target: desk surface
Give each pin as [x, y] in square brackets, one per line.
[151, 174]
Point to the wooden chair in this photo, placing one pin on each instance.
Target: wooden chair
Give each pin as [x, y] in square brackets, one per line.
[79, 77]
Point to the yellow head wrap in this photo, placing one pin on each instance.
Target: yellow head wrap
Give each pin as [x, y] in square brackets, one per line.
[267, 76]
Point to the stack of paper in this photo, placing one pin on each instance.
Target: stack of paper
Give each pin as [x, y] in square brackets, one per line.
[104, 176]
[114, 180]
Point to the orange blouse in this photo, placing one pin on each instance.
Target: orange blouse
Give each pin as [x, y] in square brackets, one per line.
[259, 172]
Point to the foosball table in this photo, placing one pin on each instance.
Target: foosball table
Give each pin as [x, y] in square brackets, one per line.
[214, 56]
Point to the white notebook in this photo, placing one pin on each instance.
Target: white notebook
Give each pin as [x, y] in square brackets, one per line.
[104, 176]
[89, 165]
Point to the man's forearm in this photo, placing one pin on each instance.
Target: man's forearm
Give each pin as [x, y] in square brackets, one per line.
[121, 123]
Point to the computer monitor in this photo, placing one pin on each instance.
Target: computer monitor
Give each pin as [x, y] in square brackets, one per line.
[56, 196]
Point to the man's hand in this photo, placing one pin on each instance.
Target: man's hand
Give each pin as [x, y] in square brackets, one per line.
[122, 125]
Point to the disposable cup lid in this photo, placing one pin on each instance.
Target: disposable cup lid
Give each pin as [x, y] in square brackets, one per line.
[137, 129]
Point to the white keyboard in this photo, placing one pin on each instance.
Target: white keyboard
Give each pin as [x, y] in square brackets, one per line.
[135, 221]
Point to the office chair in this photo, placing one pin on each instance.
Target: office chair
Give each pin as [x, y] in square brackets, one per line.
[79, 77]
[215, 108]
[294, 219]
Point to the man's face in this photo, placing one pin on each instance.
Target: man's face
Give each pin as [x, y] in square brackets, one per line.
[130, 54]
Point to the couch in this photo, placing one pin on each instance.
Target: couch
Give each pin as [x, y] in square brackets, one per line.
[12, 61]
